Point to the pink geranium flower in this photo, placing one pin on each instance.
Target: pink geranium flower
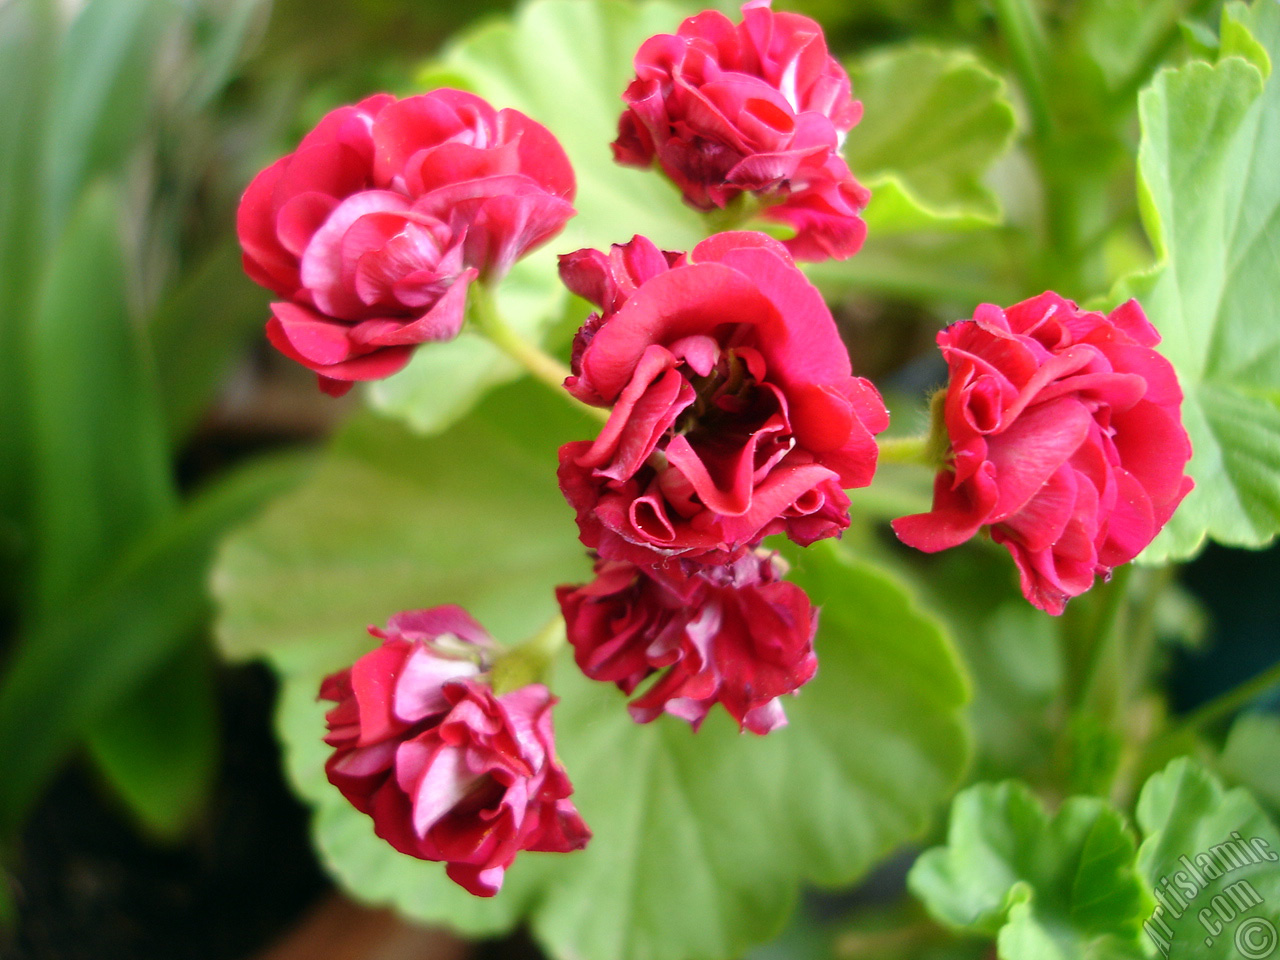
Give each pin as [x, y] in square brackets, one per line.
[447, 769]
[372, 230]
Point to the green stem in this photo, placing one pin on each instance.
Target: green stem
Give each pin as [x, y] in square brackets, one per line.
[1226, 704]
[1102, 688]
[542, 366]
[1142, 631]
[739, 212]
[1020, 26]
[531, 661]
[906, 450]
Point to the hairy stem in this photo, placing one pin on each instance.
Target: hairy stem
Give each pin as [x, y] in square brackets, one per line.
[531, 661]
[906, 450]
[488, 322]
[1021, 28]
[1103, 688]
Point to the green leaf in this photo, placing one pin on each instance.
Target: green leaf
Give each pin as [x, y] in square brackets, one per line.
[1121, 36]
[101, 461]
[27, 43]
[1211, 204]
[1061, 886]
[444, 381]
[934, 122]
[955, 269]
[1211, 857]
[700, 840]
[565, 63]
[159, 748]
[1249, 757]
[392, 521]
[197, 331]
[85, 657]
[1237, 39]
[101, 97]
[224, 31]
[1014, 654]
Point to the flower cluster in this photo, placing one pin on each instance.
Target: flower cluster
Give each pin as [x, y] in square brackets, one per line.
[374, 227]
[756, 108]
[447, 769]
[1065, 440]
[734, 415]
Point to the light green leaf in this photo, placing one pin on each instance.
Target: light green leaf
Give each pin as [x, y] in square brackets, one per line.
[1251, 754]
[1014, 653]
[1211, 857]
[1058, 887]
[955, 269]
[934, 121]
[1211, 204]
[700, 840]
[444, 381]
[392, 522]
[565, 63]
[1237, 38]
[159, 748]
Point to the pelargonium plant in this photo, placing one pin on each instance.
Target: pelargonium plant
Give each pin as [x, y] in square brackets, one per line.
[779, 686]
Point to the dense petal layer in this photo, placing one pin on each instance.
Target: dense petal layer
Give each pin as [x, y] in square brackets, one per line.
[447, 769]
[373, 228]
[734, 412]
[758, 107]
[1066, 441]
[734, 635]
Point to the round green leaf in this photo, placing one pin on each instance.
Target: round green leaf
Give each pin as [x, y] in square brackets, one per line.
[1211, 203]
[934, 121]
[1249, 756]
[1055, 887]
[392, 521]
[1207, 846]
[700, 840]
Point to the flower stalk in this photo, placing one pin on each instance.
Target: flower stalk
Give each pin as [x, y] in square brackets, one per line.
[531, 661]
[489, 323]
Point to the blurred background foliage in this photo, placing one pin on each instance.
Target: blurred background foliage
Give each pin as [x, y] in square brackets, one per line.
[141, 418]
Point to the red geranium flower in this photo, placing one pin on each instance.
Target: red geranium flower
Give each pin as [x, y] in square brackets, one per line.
[734, 635]
[758, 107]
[734, 410]
[1066, 442]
